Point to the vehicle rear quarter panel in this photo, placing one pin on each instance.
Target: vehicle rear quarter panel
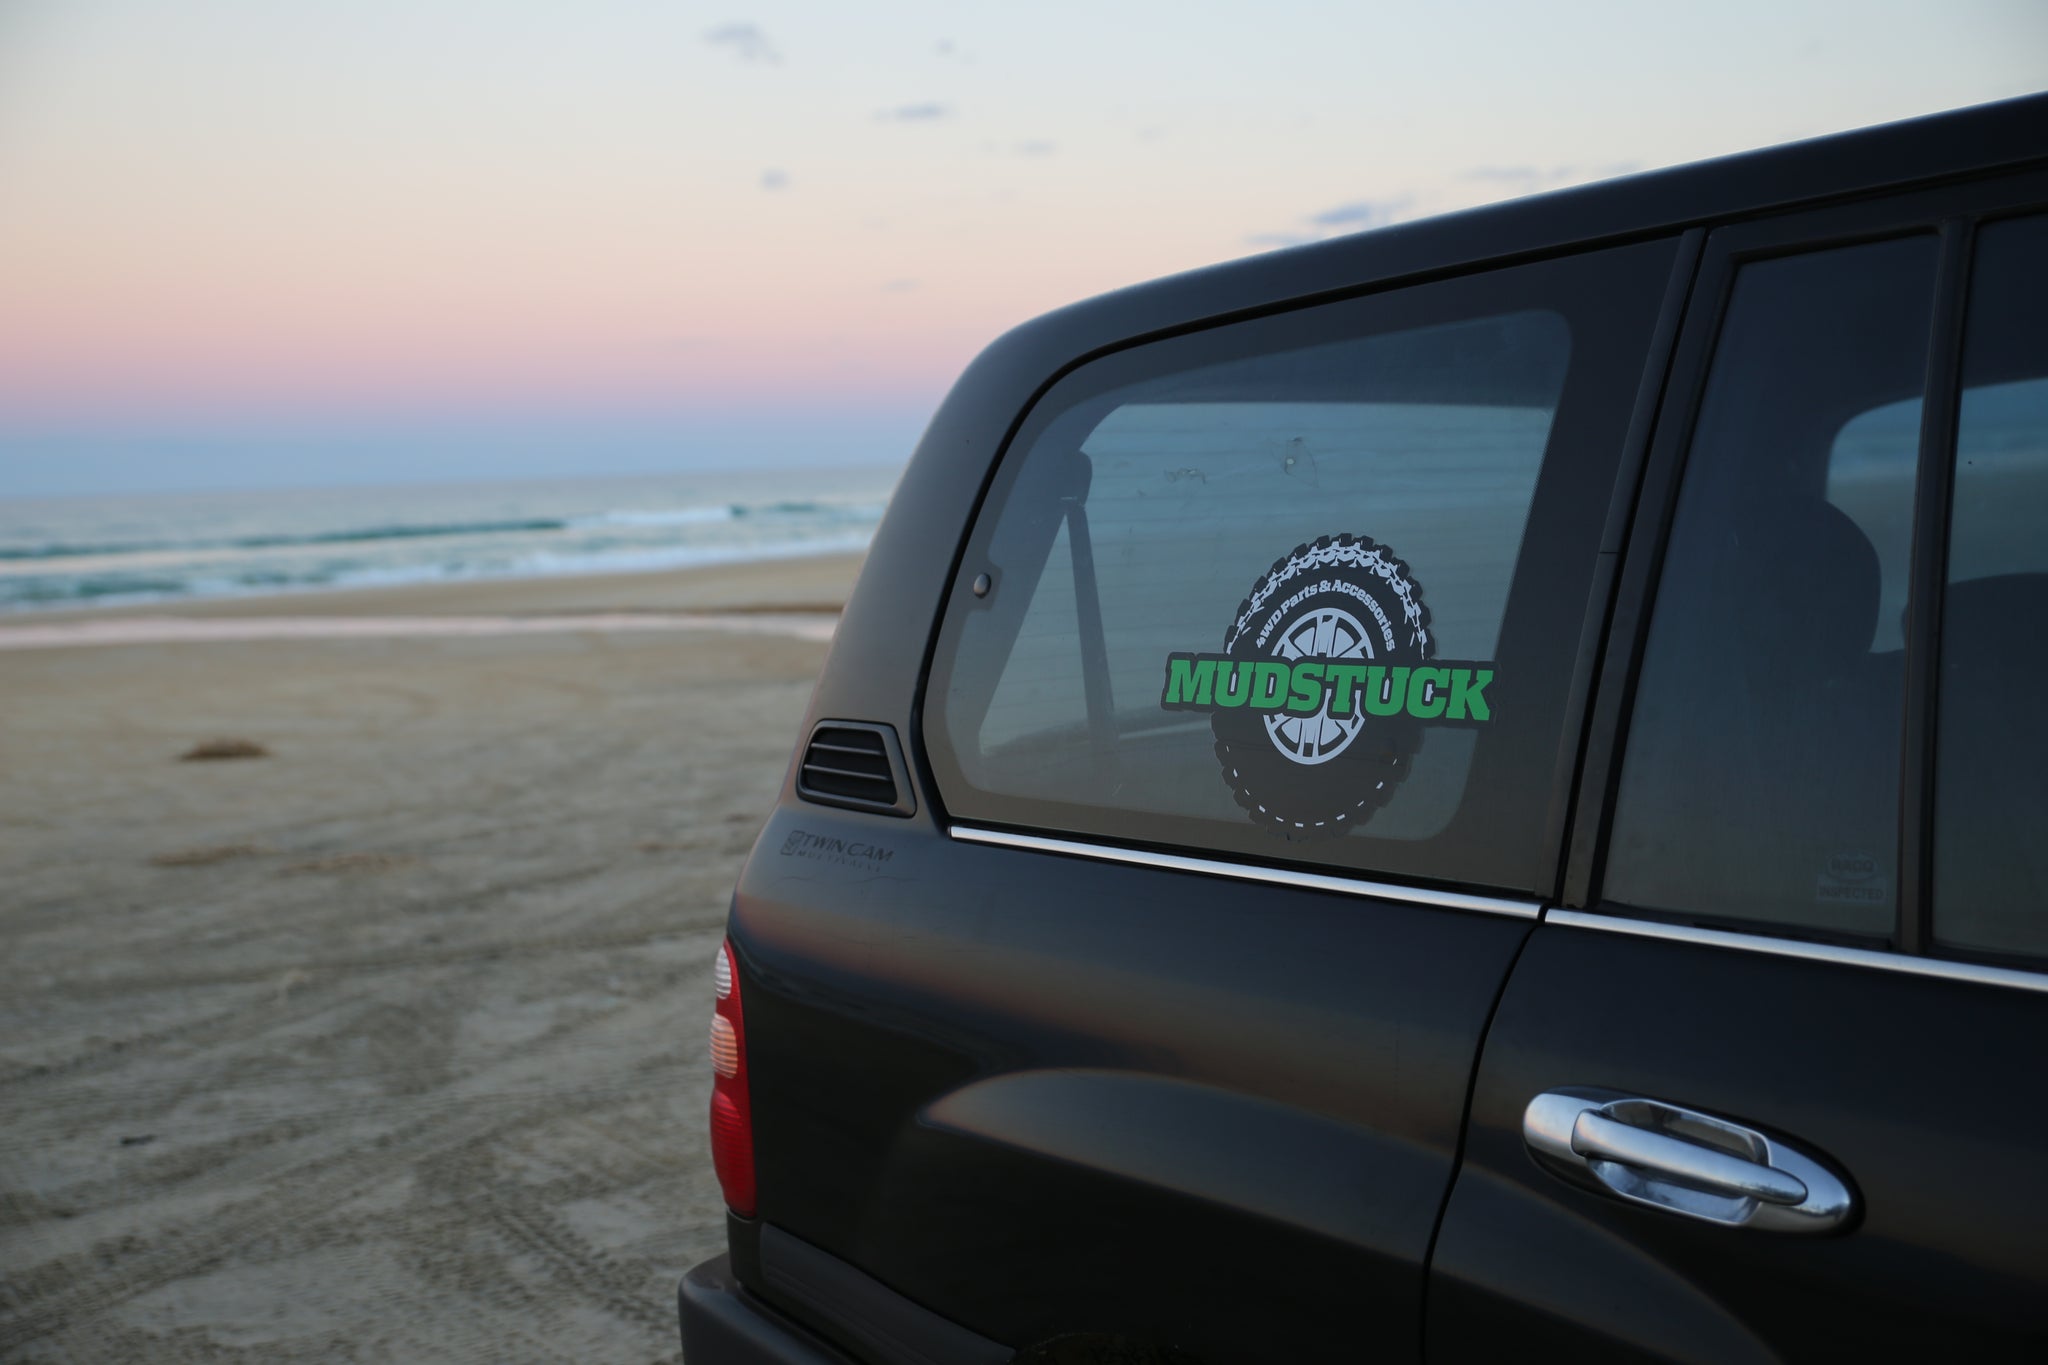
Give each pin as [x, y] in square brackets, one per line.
[1044, 1095]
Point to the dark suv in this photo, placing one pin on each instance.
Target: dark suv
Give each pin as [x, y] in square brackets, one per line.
[1467, 791]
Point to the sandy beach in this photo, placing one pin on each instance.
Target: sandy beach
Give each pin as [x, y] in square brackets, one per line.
[388, 1044]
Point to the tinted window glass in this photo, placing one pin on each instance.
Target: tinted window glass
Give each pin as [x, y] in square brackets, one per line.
[1761, 776]
[1990, 859]
[1188, 502]
[1255, 590]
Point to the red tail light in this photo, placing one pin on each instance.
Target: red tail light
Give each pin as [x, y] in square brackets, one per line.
[732, 1111]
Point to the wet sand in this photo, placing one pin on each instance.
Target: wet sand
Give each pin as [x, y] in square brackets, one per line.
[387, 1045]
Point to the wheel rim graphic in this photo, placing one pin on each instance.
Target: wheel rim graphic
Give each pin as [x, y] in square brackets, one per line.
[1322, 633]
[1343, 599]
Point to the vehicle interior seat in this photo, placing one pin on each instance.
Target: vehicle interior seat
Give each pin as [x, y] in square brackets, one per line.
[1991, 862]
[1767, 769]
[1818, 714]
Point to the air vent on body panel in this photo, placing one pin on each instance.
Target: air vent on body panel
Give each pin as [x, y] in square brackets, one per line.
[850, 763]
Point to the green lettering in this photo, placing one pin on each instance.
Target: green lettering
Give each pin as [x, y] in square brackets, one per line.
[1468, 697]
[1235, 686]
[1306, 690]
[1426, 692]
[1269, 687]
[1190, 680]
[1342, 678]
[1384, 696]
[1340, 689]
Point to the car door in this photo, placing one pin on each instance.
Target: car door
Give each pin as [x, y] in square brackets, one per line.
[1114, 1037]
[1767, 1086]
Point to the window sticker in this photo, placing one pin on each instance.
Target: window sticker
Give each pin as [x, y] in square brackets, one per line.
[1325, 683]
[1853, 877]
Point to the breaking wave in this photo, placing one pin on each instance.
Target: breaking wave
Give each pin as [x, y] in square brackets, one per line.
[132, 551]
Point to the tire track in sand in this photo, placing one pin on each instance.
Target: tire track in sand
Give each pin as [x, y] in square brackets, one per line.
[90, 1283]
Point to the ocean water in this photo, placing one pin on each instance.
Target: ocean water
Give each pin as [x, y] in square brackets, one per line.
[137, 549]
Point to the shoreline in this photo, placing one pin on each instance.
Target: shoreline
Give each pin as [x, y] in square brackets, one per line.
[800, 585]
[178, 630]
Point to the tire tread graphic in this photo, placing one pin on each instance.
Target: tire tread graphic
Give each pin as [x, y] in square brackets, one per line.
[1309, 791]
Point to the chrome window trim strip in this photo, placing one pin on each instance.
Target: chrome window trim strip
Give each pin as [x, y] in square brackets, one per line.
[1306, 881]
[2012, 977]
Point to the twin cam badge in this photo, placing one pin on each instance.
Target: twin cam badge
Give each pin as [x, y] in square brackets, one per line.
[1324, 685]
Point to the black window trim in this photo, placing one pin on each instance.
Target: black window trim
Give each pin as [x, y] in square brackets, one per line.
[1953, 213]
[1927, 578]
[1657, 367]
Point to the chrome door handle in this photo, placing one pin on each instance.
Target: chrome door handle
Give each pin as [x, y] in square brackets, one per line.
[1683, 1161]
[1599, 1138]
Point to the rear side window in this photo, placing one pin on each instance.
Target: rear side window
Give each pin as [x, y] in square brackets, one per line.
[1761, 775]
[1991, 798]
[1308, 587]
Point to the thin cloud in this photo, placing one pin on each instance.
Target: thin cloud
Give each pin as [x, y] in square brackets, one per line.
[774, 180]
[915, 113]
[746, 41]
[1361, 214]
[1356, 216]
[1035, 147]
[898, 286]
[1531, 178]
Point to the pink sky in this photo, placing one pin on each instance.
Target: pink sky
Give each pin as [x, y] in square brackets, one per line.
[238, 210]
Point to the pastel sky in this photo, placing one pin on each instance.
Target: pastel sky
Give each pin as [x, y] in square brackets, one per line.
[265, 242]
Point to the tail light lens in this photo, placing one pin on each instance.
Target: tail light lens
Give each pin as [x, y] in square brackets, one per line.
[732, 1111]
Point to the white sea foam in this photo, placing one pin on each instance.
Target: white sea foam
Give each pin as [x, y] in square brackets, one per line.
[674, 516]
[134, 551]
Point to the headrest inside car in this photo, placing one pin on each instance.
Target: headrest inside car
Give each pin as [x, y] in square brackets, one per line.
[1808, 582]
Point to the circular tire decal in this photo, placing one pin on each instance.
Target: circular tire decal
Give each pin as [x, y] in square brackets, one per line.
[1341, 599]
